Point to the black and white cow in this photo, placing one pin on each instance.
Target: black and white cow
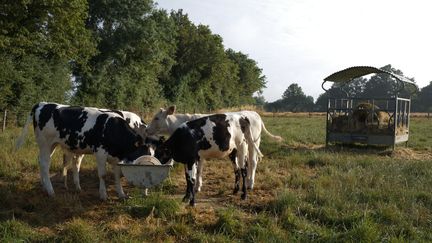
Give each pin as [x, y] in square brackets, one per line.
[84, 130]
[167, 121]
[133, 120]
[214, 136]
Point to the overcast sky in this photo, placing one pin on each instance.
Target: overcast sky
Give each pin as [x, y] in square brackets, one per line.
[303, 41]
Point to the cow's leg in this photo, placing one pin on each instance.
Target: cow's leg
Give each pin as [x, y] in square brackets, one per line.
[190, 180]
[44, 164]
[77, 159]
[233, 157]
[252, 163]
[252, 169]
[200, 165]
[67, 158]
[241, 158]
[119, 188]
[187, 195]
[101, 160]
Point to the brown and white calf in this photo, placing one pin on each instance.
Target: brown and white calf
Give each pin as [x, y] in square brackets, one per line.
[84, 130]
[214, 136]
[167, 121]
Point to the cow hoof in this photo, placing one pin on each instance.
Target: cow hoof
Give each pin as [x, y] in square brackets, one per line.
[78, 189]
[185, 198]
[243, 196]
[103, 197]
[235, 190]
[192, 203]
[51, 194]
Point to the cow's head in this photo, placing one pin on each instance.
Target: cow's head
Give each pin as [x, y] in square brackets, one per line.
[159, 123]
[149, 147]
[163, 153]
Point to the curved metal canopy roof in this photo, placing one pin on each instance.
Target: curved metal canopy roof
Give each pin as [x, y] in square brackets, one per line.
[347, 75]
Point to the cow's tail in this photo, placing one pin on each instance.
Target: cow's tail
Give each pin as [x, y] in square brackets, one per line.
[21, 138]
[250, 140]
[277, 138]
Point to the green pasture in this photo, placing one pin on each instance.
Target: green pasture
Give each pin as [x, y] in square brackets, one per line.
[304, 192]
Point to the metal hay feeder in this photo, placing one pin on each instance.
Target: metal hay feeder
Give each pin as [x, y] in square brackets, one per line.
[341, 110]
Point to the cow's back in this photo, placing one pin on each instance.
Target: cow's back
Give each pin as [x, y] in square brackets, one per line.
[83, 129]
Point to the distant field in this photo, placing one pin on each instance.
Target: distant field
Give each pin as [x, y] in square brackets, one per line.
[303, 192]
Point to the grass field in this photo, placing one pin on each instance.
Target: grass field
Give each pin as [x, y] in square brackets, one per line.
[303, 192]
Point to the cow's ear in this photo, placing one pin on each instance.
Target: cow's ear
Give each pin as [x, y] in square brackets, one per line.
[139, 143]
[171, 110]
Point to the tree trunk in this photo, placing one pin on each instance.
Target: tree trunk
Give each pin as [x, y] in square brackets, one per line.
[4, 120]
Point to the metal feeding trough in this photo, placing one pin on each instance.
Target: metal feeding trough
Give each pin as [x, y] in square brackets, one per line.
[146, 171]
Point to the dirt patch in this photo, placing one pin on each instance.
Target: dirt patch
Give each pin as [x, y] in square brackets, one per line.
[409, 154]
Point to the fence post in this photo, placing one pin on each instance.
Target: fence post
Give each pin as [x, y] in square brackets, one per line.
[4, 120]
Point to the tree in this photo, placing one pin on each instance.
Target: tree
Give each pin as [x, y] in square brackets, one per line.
[293, 91]
[250, 75]
[382, 85]
[135, 47]
[259, 100]
[293, 99]
[55, 27]
[203, 77]
[38, 42]
[425, 98]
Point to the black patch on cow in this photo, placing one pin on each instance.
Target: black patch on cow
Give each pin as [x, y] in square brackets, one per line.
[203, 144]
[69, 121]
[120, 140]
[93, 137]
[221, 134]
[128, 120]
[182, 146]
[244, 123]
[197, 133]
[45, 114]
[197, 123]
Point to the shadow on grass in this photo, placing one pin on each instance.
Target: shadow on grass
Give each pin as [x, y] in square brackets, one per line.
[23, 199]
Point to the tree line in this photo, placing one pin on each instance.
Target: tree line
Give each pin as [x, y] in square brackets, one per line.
[132, 55]
[377, 86]
[123, 54]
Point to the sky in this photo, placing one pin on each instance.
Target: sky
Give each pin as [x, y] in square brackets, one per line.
[304, 41]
